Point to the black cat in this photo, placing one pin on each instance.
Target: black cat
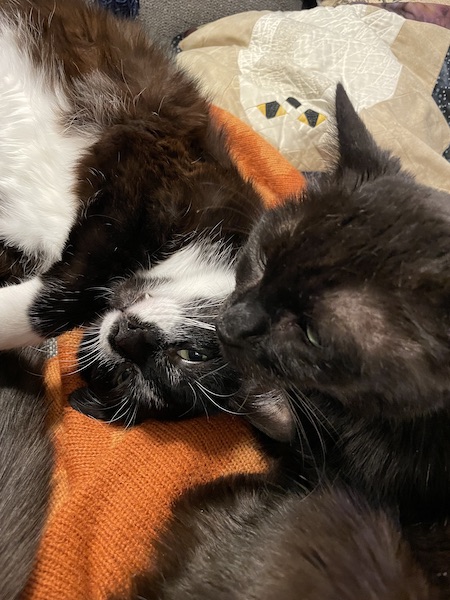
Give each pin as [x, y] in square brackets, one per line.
[243, 539]
[338, 324]
[343, 301]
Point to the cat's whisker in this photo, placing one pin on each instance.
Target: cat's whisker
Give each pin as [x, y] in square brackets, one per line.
[242, 405]
[303, 406]
[82, 364]
[129, 420]
[88, 350]
[121, 412]
[105, 290]
[200, 315]
[96, 400]
[204, 405]
[320, 415]
[207, 392]
[209, 303]
[212, 373]
[215, 393]
[201, 324]
[196, 399]
[135, 412]
[39, 349]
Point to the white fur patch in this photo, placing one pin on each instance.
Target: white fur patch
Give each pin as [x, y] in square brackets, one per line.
[37, 157]
[200, 272]
[197, 272]
[15, 327]
[107, 322]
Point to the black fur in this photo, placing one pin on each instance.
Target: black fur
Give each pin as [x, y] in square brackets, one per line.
[25, 467]
[148, 379]
[155, 176]
[343, 299]
[243, 539]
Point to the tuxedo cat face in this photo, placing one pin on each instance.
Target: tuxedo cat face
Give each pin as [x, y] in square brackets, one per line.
[346, 291]
[155, 352]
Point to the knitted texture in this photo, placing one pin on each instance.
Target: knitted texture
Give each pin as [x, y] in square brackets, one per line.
[113, 488]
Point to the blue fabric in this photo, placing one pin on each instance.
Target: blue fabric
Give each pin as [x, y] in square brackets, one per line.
[125, 8]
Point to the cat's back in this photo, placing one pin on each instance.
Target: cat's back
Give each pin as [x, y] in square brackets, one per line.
[241, 540]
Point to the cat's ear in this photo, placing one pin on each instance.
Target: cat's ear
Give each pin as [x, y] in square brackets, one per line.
[359, 155]
[270, 412]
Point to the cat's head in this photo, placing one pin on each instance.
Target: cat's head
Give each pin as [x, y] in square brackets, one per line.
[345, 292]
[155, 353]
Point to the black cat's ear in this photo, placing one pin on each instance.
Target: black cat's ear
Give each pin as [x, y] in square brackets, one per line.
[359, 154]
[271, 413]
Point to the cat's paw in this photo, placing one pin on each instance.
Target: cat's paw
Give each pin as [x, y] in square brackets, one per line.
[58, 308]
[16, 328]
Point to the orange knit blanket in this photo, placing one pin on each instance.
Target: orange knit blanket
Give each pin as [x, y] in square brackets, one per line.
[113, 488]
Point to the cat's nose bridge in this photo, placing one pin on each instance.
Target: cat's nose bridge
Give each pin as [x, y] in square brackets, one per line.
[240, 321]
[134, 340]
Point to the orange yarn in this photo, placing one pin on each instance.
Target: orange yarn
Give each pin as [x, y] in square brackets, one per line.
[272, 176]
[113, 488]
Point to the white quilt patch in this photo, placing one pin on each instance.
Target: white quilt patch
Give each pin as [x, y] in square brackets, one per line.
[289, 71]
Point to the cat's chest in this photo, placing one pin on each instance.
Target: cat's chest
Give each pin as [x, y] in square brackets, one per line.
[38, 157]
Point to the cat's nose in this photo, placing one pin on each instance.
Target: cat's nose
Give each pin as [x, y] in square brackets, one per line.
[133, 340]
[240, 321]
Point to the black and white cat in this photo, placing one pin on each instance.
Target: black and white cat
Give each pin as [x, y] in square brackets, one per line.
[108, 152]
[155, 352]
[111, 164]
[343, 301]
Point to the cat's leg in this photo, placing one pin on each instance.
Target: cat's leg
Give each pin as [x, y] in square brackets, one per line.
[39, 308]
[64, 304]
[16, 328]
[44, 307]
[25, 466]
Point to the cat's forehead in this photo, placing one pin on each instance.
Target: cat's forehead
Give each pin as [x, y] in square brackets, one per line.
[380, 222]
[182, 292]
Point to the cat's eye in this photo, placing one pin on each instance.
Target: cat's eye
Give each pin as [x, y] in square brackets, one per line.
[123, 375]
[191, 355]
[312, 336]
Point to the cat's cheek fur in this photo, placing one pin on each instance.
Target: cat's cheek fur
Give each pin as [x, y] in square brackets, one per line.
[36, 155]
